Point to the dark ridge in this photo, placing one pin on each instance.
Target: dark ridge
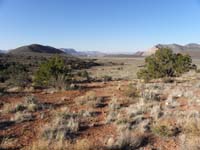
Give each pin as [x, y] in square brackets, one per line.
[35, 48]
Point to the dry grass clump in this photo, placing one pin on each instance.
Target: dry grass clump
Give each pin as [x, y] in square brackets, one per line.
[131, 91]
[186, 90]
[126, 140]
[189, 142]
[90, 99]
[114, 104]
[22, 111]
[172, 102]
[114, 109]
[10, 108]
[30, 104]
[129, 118]
[91, 95]
[7, 143]
[156, 112]
[46, 145]
[61, 133]
[164, 128]
[40, 145]
[99, 102]
[134, 118]
[191, 126]
[151, 94]
[22, 117]
[83, 144]
[64, 125]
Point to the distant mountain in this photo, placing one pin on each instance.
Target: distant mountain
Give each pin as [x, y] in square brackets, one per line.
[2, 51]
[138, 54]
[70, 51]
[74, 52]
[192, 49]
[93, 53]
[35, 48]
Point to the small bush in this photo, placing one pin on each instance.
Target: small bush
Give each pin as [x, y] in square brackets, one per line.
[29, 104]
[164, 63]
[126, 141]
[89, 96]
[99, 102]
[91, 100]
[164, 129]
[22, 117]
[64, 125]
[85, 75]
[150, 94]
[114, 108]
[14, 74]
[131, 91]
[54, 73]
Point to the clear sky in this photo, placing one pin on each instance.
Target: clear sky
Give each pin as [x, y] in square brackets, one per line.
[103, 25]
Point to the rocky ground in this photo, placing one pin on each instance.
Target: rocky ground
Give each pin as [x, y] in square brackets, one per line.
[105, 115]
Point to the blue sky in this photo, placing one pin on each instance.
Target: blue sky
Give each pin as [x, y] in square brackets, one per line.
[103, 25]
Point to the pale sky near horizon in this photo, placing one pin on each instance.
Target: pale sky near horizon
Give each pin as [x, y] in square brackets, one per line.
[101, 25]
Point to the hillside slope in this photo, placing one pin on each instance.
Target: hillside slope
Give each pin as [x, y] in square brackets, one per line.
[35, 48]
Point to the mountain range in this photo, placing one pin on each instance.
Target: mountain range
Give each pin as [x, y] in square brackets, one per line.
[192, 49]
[74, 52]
[37, 49]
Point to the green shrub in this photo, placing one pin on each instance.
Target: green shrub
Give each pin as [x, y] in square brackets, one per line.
[53, 72]
[131, 91]
[164, 129]
[14, 74]
[84, 74]
[165, 63]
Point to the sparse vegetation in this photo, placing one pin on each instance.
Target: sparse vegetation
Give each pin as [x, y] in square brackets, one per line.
[126, 140]
[104, 115]
[14, 74]
[91, 100]
[20, 117]
[65, 125]
[131, 91]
